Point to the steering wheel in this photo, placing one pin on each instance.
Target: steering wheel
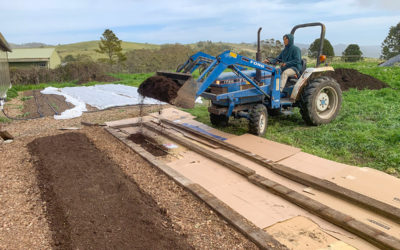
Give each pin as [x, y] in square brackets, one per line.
[272, 59]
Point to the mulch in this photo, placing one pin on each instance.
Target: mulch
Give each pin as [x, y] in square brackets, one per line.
[92, 204]
[351, 78]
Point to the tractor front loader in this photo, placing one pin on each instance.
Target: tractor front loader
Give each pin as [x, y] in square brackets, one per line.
[252, 89]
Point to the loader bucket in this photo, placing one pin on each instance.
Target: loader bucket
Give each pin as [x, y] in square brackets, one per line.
[178, 89]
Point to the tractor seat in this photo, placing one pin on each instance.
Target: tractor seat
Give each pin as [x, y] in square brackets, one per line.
[293, 79]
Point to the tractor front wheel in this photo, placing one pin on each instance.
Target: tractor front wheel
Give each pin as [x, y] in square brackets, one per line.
[258, 120]
[219, 120]
[320, 101]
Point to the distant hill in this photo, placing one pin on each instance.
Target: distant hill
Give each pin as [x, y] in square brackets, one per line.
[88, 48]
[28, 45]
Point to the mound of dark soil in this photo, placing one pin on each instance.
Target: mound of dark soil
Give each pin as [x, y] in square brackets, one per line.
[351, 78]
[160, 88]
[92, 204]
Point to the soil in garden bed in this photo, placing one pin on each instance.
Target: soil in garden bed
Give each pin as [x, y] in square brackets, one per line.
[149, 144]
[160, 88]
[44, 105]
[351, 78]
[92, 204]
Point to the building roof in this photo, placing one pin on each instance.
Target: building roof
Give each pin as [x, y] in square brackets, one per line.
[3, 44]
[36, 54]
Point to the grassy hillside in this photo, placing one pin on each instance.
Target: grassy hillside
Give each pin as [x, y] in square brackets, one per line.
[88, 48]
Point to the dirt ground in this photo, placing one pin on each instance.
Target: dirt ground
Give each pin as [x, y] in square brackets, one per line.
[85, 189]
[39, 105]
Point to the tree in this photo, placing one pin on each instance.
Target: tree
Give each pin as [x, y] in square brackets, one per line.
[211, 48]
[352, 53]
[69, 58]
[271, 47]
[326, 50]
[391, 44]
[110, 45]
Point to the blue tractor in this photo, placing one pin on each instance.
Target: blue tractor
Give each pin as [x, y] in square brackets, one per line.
[252, 89]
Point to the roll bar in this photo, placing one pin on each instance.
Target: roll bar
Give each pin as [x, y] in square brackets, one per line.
[321, 45]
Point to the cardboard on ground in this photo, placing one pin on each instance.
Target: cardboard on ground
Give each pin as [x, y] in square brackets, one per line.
[271, 212]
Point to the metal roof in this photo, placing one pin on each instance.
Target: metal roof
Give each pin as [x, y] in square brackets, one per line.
[3, 44]
[39, 54]
[391, 61]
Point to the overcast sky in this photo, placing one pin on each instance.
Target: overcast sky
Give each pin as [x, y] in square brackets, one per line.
[365, 22]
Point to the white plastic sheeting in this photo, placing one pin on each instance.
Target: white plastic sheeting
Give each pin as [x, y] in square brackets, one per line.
[99, 96]
[69, 113]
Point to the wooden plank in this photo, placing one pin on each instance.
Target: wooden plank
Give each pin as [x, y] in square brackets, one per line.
[338, 218]
[369, 203]
[234, 166]
[258, 236]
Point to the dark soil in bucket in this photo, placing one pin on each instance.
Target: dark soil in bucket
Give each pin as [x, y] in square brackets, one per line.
[160, 88]
[149, 144]
[92, 204]
[351, 78]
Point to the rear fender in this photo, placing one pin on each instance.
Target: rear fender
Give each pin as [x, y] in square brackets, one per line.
[303, 80]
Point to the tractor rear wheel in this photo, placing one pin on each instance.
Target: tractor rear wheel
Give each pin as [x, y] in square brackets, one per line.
[320, 101]
[258, 120]
[219, 120]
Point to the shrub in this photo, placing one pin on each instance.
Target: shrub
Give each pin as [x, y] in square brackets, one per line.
[77, 71]
[352, 53]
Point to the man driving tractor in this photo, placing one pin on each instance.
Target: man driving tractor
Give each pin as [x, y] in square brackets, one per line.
[289, 59]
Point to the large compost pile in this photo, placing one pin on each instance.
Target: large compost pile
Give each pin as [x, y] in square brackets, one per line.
[351, 78]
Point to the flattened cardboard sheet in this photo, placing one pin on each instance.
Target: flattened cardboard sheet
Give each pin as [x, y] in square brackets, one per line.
[313, 165]
[370, 182]
[268, 149]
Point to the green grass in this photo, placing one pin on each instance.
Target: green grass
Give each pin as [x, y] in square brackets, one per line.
[132, 79]
[25, 98]
[4, 120]
[365, 133]
[126, 79]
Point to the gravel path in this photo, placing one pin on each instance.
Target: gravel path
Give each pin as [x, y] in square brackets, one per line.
[24, 221]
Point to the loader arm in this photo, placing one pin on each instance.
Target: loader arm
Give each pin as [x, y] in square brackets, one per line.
[200, 58]
[229, 59]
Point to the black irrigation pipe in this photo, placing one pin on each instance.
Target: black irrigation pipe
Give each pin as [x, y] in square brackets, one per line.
[47, 99]
[19, 119]
[25, 119]
[37, 105]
